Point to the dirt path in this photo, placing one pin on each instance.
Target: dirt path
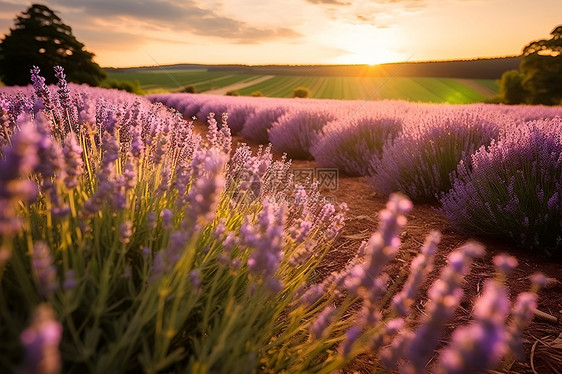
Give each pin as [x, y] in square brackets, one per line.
[481, 89]
[238, 86]
[364, 204]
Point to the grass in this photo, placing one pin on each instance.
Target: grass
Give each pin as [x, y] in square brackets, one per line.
[176, 79]
[438, 90]
[360, 88]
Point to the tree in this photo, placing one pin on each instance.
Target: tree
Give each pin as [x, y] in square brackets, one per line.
[40, 38]
[541, 65]
[511, 88]
[301, 92]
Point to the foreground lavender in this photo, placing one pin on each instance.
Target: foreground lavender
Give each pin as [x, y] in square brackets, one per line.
[131, 244]
[123, 230]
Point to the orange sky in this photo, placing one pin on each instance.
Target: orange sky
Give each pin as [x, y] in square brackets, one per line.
[148, 32]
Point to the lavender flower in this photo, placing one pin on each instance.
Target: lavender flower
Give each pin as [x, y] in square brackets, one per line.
[20, 159]
[125, 232]
[421, 266]
[205, 192]
[166, 259]
[44, 270]
[480, 346]
[41, 343]
[266, 238]
[444, 296]
[63, 91]
[167, 216]
[41, 89]
[73, 157]
[382, 246]
[324, 320]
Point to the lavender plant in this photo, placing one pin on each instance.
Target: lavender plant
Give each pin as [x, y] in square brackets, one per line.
[295, 132]
[349, 144]
[257, 125]
[419, 162]
[513, 188]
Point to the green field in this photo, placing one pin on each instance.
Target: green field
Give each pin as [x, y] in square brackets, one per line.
[175, 79]
[455, 91]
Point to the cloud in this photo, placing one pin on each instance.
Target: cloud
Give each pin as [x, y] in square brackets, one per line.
[10, 7]
[373, 12]
[185, 16]
[329, 2]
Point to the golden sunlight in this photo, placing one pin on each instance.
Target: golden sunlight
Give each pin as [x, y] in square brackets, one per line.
[366, 44]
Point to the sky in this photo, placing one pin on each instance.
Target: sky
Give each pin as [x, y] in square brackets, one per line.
[124, 33]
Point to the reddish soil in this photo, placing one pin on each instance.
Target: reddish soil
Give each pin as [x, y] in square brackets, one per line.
[364, 203]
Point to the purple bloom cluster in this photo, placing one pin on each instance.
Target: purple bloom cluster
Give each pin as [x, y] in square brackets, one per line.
[513, 189]
[257, 125]
[347, 144]
[296, 131]
[415, 348]
[419, 162]
[20, 159]
[41, 343]
[265, 237]
[44, 270]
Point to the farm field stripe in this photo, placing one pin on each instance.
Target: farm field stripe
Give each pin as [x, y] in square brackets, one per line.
[476, 86]
[239, 85]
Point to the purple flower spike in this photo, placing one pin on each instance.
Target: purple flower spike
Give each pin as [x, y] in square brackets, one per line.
[73, 157]
[324, 320]
[444, 297]
[481, 345]
[41, 343]
[44, 270]
[41, 89]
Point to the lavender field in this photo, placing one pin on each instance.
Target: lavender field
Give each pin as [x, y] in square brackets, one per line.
[131, 243]
[493, 169]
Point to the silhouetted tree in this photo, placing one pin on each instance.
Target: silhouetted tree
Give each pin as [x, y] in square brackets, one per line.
[542, 67]
[511, 88]
[40, 38]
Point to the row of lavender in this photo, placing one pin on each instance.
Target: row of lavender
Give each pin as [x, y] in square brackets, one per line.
[496, 170]
[129, 243]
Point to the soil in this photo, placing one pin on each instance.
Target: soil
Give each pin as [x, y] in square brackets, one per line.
[364, 204]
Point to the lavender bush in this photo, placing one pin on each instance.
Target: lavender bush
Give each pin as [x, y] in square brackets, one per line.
[419, 162]
[513, 189]
[237, 116]
[257, 125]
[296, 131]
[347, 144]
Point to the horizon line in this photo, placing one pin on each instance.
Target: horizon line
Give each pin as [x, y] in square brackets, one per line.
[314, 64]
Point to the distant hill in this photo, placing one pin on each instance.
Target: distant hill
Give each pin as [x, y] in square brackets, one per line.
[484, 68]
